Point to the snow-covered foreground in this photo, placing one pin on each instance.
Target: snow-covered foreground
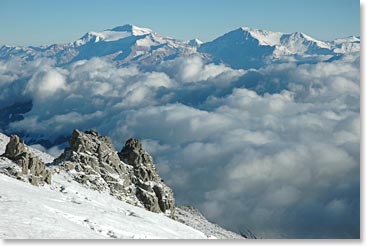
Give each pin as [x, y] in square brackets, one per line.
[67, 210]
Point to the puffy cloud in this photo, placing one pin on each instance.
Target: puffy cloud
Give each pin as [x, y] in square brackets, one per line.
[193, 69]
[275, 150]
[45, 84]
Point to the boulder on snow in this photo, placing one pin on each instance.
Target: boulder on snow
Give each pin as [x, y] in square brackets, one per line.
[28, 167]
[15, 147]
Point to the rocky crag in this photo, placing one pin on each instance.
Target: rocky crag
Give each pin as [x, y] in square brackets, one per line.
[25, 166]
[150, 188]
[129, 175]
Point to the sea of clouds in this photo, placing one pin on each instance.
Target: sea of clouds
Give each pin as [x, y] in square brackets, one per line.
[275, 150]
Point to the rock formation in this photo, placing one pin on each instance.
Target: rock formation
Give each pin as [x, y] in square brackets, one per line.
[129, 175]
[92, 160]
[150, 188]
[28, 166]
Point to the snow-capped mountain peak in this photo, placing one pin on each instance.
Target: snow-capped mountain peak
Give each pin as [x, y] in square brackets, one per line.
[264, 37]
[195, 42]
[301, 38]
[248, 47]
[134, 30]
[114, 34]
[350, 39]
[269, 38]
[346, 45]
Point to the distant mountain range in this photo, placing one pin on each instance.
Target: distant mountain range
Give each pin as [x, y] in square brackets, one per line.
[241, 48]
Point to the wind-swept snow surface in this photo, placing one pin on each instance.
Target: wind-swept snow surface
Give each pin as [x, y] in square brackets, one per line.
[67, 210]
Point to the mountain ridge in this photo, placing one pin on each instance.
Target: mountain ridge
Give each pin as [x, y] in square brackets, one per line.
[129, 44]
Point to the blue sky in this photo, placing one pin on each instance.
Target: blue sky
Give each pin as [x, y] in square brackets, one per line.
[38, 22]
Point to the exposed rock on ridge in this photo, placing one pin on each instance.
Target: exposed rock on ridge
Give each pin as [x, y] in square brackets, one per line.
[129, 175]
[150, 188]
[92, 160]
[28, 166]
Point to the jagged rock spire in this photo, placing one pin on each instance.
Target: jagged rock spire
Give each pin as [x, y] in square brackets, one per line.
[94, 162]
[150, 187]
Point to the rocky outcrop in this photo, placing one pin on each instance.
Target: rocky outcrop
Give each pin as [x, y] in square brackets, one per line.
[129, 175]
[92, 160]
[150, 188]
[28, 166]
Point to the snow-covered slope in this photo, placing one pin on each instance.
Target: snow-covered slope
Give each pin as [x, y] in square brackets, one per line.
[68, 210]
[193, 218]
[114, 34]
[265, 38]
[347, 45]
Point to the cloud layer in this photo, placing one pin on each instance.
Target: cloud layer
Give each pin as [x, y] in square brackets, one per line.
[275, 150]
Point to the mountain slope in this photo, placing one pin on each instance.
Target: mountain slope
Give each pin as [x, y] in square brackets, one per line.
[74, 212]
[192, 217]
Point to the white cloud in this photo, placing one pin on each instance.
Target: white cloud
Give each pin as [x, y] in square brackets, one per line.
[45, 84]
[193, 69]
[279, 157]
